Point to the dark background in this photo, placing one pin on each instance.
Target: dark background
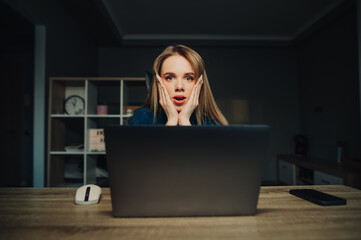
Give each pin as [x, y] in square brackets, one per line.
[305, 85]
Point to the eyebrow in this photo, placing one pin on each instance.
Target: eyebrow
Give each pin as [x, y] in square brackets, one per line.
[170, 73]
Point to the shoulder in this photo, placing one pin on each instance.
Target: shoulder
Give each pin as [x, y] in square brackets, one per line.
[209, 122]
[142, 117]
[143, 110]
[205, 121]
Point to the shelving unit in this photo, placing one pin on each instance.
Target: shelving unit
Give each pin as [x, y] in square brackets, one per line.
[83, 166]
[299, 170]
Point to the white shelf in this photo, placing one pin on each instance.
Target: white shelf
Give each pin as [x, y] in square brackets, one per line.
[104, 116]
[65, 129]
[96, 153]
[66, 153]
[67, 116]
[92, 116]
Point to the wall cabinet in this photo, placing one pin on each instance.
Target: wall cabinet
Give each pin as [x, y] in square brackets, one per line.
[321, 178]
[287, 172]
[70, 161]
[296, 170]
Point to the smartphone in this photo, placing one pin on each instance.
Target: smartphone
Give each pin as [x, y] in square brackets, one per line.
[318, 197]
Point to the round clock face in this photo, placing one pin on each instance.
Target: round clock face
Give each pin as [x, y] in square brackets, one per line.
[74, 105]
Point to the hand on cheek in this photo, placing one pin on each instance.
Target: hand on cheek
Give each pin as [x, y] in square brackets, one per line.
[167, 104]
[191, 105]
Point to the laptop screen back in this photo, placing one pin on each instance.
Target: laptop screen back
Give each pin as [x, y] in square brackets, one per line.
[158, 171]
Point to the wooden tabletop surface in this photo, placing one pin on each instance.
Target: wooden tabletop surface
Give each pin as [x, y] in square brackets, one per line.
[50, 213]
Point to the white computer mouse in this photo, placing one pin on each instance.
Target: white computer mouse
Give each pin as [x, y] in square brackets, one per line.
[88, 194]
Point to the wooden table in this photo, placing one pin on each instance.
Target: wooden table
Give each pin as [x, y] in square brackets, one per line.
[50, 213]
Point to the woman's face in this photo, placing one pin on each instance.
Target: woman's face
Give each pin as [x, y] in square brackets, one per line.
[179, 78]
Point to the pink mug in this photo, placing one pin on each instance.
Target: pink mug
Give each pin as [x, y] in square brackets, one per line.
[102, 109]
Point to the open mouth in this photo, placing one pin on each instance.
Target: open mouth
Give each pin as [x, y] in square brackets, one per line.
[179, 100]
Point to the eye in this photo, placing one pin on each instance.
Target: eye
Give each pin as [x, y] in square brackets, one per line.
[189, 78]
[169, 78]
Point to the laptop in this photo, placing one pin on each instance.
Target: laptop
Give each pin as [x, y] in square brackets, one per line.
[158, 171]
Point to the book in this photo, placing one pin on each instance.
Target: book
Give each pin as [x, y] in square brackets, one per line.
[96, 141]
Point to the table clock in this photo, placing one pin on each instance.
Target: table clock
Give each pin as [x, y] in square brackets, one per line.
[74, 105]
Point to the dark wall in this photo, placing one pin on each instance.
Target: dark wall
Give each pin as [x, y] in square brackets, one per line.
[311, 88]
[16, 67]
[265, 76]
[70, 51]
[329, 88]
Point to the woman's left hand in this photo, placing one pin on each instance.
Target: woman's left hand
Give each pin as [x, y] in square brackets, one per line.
[191, 104]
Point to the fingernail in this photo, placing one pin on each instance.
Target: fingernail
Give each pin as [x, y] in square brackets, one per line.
[158, 77]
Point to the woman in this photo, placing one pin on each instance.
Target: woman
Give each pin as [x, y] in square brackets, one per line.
[181, 87]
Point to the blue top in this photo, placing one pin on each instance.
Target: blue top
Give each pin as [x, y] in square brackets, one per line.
[145, 117]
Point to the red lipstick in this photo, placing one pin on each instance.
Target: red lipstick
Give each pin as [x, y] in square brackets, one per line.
[179, 99]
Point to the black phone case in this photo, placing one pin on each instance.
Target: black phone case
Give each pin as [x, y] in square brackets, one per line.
[318, 197]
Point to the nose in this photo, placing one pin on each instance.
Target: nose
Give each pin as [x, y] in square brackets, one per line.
[179, 86]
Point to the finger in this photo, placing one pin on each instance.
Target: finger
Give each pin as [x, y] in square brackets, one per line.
[165, 92]
[160, 82]
[164, 95]
[200, 79]
[158, 78]
[192, 97]
[196, 93]
[200, 85]
[162, 85]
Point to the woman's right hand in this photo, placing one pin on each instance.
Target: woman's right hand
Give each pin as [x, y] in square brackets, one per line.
[167, 104]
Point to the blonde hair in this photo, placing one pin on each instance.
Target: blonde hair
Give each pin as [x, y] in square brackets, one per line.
[207, 107]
